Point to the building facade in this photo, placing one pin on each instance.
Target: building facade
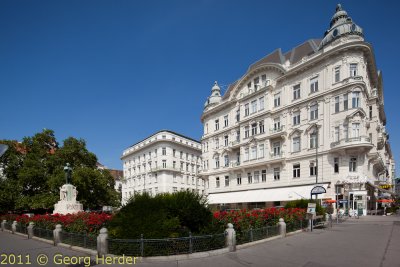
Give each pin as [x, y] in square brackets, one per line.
[311, 116]
[163, 162]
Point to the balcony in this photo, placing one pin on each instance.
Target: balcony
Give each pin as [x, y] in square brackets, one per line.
[277, 132]
[234, 144]
[167, 168]
[360, 143]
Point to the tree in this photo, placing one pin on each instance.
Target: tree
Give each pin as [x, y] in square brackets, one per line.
[33, 170]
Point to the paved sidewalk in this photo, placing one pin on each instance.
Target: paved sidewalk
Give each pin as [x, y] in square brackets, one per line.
[371, 241]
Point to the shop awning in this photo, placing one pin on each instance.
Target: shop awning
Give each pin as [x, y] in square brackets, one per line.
[264, 195]
[330, 201]
[385, 200]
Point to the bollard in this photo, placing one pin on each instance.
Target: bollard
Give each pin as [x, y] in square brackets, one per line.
[3, 225]
[30, 230]
[14, 227]
[57, 234]
[230, 238]
[102, 242]
[282, 227]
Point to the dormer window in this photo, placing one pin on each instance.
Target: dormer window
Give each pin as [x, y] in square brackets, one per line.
[256, 83]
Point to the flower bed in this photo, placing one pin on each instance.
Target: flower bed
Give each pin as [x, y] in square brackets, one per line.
[246, 219]
[80, 222]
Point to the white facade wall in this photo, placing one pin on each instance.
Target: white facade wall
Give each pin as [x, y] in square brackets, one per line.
[164, 162]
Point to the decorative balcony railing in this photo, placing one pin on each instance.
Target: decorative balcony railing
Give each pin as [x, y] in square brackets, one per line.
[351, 140]
[277, 130]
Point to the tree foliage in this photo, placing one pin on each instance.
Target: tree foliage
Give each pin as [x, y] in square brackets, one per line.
[164, 215]
[33, 173]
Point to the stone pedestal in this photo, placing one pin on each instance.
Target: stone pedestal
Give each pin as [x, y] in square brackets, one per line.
[68, 203]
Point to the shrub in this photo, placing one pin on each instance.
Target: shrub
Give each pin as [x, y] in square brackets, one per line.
[164, 215]
[303, 203]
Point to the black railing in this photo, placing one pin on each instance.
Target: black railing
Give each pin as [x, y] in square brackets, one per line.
[79, 239]
[167, 246]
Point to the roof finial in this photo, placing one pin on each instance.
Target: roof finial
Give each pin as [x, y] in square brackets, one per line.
[338, 7]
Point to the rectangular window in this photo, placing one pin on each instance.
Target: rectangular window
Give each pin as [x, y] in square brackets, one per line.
[313, 169]
[261, 151]
[336, 137]
[313, 140]
[217, 184]
[263, 175]
[239, 179]
[356, 100]
[314, 85]
[164, 164]
[226, 180]
[277, 174]
[173, 152]
[336, 165]
[249, 178]
[256, 83]
[226, 121]
[254, 129]
[277, 100]
[174, 164]
[277, 149]
[337, 104]
[246, 131]
[164, 151]
[353, 164]
[246, 110]
[296, 144]
[238, 115]
[216, 143]
[314, 112]
[296, 171]
[237, 136]
[356, 130]
[337, 74]
[226, 160]
[370, 112]
[296, 118]
[216, 125]
[256, 177]
[246, 154]
[253, 106]
[345, 101]
[217, 162]
[353, 69]
[181, 154]
[296, 91]
[253, 152]
[174, 178]
[226, 140]
[249, 85]
[261, 126]
[277, 124]
[261, 101]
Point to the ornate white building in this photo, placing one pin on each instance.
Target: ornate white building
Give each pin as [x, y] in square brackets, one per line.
[312, 115]
[163, 162]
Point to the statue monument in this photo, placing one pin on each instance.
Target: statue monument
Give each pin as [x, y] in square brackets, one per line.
[68, 193]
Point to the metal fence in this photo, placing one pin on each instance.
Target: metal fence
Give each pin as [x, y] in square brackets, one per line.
[255, 234]
[21, 228]
[7, 226]
[43, 233]
[79, 239]
[164, 247]
[296, 225]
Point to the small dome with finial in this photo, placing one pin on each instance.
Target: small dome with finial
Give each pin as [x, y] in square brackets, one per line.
[215, 96]
[341, 25]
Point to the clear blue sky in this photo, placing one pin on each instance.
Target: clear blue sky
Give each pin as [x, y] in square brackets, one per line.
[113, 72]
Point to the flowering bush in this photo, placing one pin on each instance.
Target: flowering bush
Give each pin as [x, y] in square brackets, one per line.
[244, 219]
[79, 222]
